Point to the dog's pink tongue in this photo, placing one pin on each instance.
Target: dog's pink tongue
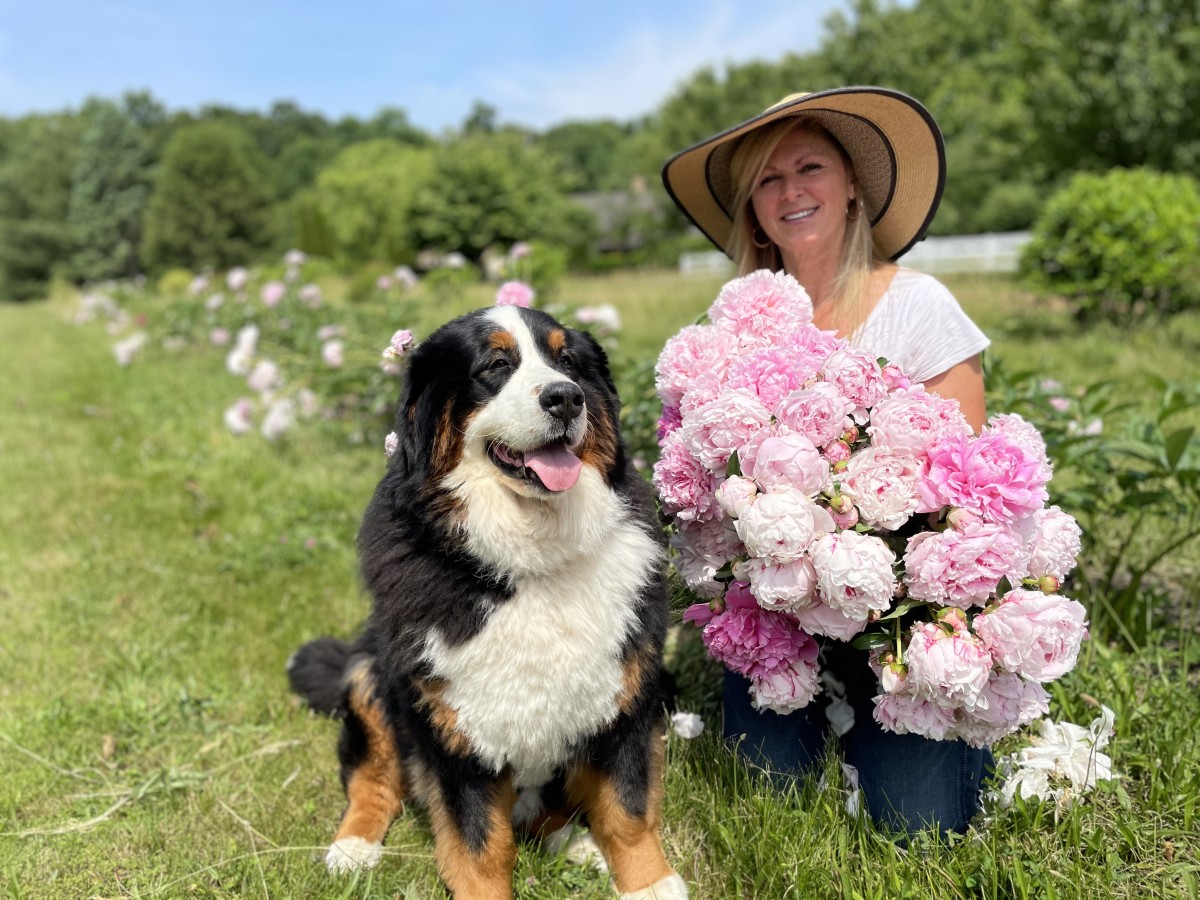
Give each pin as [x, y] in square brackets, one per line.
[557, 467]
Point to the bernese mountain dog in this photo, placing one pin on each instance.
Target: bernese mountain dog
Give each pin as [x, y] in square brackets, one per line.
[509, 672]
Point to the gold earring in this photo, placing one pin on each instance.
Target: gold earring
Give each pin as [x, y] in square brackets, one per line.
[766, 241]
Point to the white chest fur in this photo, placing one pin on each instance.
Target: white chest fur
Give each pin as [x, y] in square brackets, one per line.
[545, 671]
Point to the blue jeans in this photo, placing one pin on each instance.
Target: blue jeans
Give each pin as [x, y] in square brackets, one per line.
[908, 782]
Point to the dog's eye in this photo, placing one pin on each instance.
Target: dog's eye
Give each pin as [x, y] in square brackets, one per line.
[498, 364]
[566, 359]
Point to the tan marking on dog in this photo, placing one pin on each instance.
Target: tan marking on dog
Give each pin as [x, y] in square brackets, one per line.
[443, 717]
[556, 340]
[599, 448]
[634, 672]
[503, 340]
[629, 842]
[375, 789]
[486, 875]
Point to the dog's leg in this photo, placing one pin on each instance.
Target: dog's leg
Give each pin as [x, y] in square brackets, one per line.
[471, 815]
[372, 774]
[623, 804]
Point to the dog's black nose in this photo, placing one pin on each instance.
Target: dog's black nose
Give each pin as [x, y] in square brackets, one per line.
[562, 399]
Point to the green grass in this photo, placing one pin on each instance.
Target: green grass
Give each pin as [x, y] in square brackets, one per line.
[156, 572]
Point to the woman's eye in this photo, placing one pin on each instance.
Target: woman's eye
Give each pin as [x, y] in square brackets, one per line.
[767, 179]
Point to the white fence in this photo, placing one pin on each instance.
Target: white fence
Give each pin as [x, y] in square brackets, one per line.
[997, 252]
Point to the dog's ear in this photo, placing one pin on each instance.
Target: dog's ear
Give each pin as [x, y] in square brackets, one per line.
[414, 419]
[589, 348]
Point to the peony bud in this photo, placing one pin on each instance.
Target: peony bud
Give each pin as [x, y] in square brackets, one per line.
[1048, 584]
[846, 519]
[960, 519]
[841, 466]
[893, 677]
[840, 503]
[836, 452]
[717, 606]
[850, 435]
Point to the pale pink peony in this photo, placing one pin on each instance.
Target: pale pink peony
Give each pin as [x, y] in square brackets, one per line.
[911, 420]
[239, 418]
[735, 495]
[775, 459]
[747, 638]
[399, 344]
[771, 373]
[883, 486]
[694, 351]
[670, 420]
[280, 417]
[856, 374]
[333, 353]
[908, 714]
[514, 293]
[215, 302]
[241, 357]
[272, 293]
[687, 489]
[390, 444]
[989, 475]
[819, 412]
[1034, 634]
[718, 428]
[236, 278]
[785, 689]
[947, 668]
[1023, 433]
[817, 617]
[781, 526]
[778, 586]
[813, 341]
[264, 377]
[894, 378]
[762, 307]
[854, 572]
[219, 337]
[703, 548]
[1012, 702]
[961, 568]
[1053, 543]
[836, 452]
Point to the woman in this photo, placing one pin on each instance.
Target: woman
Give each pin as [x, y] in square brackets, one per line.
[832, 187]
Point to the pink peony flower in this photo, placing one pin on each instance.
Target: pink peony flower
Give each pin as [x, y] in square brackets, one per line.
[989, 475]
[215, 302]
[883, 486]
[401, 341]
[961, 568]
[909, 714]
[333, 353]
[854, 572]
[781, 526]
[1034, 634]
[310, 296]
[1053, 543]
[771, 374]
[390, 444]
[696, 350]
[785, 689]
[1022, 433]
[703, 549]
[812, 341]
[272, 293]
[716, 430]
[817, 617]
[762, 307]
[670, 420]
[236, 278]
[949, 669]
[687, 489]
[778, 586]
[219, 337]
[239, 418]
[910, 420]
[385, 283]
[280, 417]
[894, 378]
[819, 412]
[777, 460]
[857, 376]
[265, 377]
[748, 639]
[735, 495]
[1011, 703]
[515, 293]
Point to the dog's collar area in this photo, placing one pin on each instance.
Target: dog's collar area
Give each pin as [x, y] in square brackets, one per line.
[552, 467]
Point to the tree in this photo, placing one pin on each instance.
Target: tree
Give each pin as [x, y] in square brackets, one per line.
[495, 189]
[210, 205]
[35, 187]
[110, 187]
[361, 205]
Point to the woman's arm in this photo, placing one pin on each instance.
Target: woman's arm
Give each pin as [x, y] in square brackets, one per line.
[963, 382]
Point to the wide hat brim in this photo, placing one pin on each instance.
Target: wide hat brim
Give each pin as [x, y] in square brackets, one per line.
[896, 148]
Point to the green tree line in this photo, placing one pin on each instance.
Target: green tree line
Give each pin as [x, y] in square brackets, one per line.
[1028, 93]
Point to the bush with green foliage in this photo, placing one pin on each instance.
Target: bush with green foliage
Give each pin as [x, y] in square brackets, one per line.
[211, 206]
[1120, 246]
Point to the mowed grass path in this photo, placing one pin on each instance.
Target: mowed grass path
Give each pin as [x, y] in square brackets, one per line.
[156, 572]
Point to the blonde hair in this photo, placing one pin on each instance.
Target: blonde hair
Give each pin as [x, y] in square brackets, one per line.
[849, 300]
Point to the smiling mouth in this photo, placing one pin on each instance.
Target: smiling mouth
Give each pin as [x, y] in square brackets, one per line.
[799, 216]
[552, 467]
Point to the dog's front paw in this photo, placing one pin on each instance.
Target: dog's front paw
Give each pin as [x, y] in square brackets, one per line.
[670, 888]
[577, 845]
[351, 854]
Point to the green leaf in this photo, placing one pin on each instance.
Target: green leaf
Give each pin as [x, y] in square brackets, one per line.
[901, 608]
[871, 639]
[1176, 443]
[734, 467]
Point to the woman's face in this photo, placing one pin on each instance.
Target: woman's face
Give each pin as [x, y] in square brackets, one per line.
[802, 195]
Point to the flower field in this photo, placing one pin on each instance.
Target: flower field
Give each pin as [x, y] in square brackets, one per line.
[168, 542]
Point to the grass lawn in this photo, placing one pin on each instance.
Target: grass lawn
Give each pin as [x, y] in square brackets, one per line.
[156, 572]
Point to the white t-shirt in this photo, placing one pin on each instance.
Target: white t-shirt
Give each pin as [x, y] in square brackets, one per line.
[918, 325]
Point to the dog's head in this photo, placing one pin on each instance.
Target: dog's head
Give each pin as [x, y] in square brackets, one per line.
[512, 390]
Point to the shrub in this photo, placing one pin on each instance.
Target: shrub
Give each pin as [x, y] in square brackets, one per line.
[1121, 246]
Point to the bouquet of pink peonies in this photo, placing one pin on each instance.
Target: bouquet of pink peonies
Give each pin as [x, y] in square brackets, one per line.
[816, 491]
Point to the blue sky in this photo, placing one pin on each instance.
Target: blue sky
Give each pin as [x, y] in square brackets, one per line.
[537, 63]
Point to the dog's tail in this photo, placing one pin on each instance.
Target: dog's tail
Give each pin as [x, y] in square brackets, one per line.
[316, 671]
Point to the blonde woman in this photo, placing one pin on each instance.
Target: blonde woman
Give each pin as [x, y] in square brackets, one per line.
[833, 187]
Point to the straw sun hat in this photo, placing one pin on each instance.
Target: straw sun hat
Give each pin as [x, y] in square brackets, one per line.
[895, 146]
